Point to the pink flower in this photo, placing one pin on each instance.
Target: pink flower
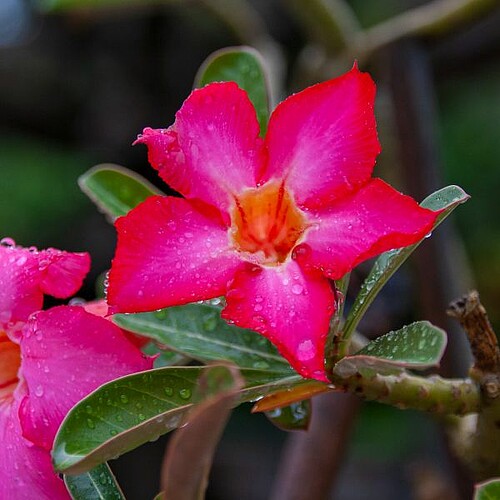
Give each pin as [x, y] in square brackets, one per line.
[49, 360]
[266, 222]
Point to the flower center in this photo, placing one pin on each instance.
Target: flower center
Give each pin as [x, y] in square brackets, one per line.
[266, 220]
[10, 361]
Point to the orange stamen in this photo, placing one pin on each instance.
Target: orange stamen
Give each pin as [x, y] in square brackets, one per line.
[266, 220]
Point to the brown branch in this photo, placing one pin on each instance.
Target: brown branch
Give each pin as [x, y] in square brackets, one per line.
[311, 460]
[474, 320]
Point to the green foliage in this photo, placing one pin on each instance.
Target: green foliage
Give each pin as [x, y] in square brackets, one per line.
[199, 332]
[127, 412]
[96, 484]
[37, 179]
[417, 346]
[489, 490]
[244, 66]
[115, 190]
[446, 199]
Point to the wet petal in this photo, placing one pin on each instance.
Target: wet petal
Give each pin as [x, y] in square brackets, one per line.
[67, 353]
[63, 272]
[290, 308]
[100, 308]
[169, 253]
[374, 219]
[213, 150]
[323, 140]
[26, 274]
[25, 470]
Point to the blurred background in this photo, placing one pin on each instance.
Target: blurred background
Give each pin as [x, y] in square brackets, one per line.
[79, 79]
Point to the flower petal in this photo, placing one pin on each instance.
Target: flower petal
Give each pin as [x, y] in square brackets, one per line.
[25, 470]
[169, 253]
[213, 150]
[373, 220]
[63, 272]
[290, 308]
[323, 140]
[67, 353]
[100, 308]
[26, 274]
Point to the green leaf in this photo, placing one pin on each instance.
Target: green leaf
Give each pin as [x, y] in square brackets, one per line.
[294, 417]
[199, 332]
[446, 199]
[127, 412]
[417, 346]
[115, 190]
[489, 490]
[244, 66]
[96, 484]
[186, 466]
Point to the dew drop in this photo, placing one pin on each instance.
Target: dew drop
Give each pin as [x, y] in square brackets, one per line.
[297, 289]
[7, 242]
[168, 391]
[123, 399]
[39, 391]
[90, 423]
[185, 393]
[306, 350]
[161, 314]
[261, 365]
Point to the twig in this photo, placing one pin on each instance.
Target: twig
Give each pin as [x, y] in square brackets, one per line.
[433, 18]
[311, 460]
[331, 22]
[474, 320]
[477, 438]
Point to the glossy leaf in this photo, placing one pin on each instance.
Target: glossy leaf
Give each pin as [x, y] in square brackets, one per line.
[244, 66]
[489, 490]
[198, 331]
[417, 346]
[190, 452]
[127, 412]
[96, 484]
[115, 190]
[446, 199]
[294, 417]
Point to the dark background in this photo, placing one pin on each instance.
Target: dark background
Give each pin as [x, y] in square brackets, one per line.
[76, 86]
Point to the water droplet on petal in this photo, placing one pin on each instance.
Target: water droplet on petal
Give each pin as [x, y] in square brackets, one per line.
[297, 289]
[39, 391]
[306, 350]
[7, 242]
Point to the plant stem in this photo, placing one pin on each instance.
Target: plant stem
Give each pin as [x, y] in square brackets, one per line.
[311, 460]
[430, 394]
[331, 22]
[433, 18]
[477, 439]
